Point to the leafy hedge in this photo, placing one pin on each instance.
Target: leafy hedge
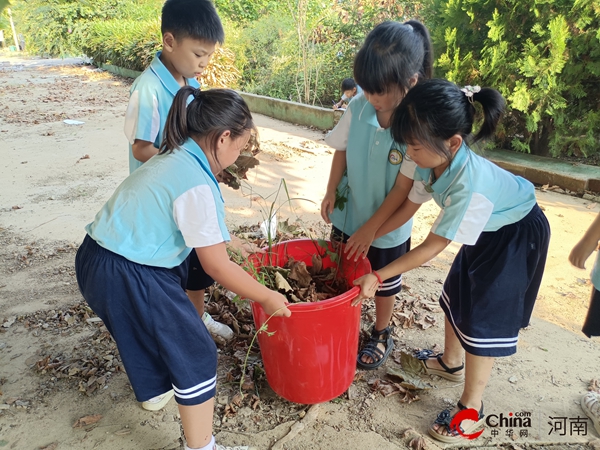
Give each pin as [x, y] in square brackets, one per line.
[125, 43]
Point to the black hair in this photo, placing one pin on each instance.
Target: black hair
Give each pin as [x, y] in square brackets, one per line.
[348, 84]
[392, 53]
[196, 19]
[435, 110]
[208, 115]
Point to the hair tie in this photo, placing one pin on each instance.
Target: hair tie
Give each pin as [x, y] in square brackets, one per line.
[469, 91]
[197, 92]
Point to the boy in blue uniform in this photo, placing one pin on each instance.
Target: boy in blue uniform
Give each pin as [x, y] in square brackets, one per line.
[490, 291]
[190, 31]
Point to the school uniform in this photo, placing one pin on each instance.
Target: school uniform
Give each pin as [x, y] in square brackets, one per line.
[150, 99]
[373, 161]
[493, 283]
[132, 270]
[591, 326]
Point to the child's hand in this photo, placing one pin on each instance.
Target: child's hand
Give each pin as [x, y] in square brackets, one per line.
[327, 206]
[368, 286]
[581, 252]
[359, 243]
[276, 304]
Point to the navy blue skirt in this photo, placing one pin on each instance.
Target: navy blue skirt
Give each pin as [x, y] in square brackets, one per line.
[591, 326]
[492, 286]
[160, 336]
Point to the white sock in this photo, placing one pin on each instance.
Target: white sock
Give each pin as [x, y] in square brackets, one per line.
[209, 446]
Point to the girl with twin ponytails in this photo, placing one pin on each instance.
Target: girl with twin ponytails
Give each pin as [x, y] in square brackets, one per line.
[490, 291]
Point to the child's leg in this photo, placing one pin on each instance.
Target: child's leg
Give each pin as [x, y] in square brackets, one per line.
[381, 343]
[197, 282]
[197, 299]
[384, 308]
[477, 374]
[197, 423]
[453, 351]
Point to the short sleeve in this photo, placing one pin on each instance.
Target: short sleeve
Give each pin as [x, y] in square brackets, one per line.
[463, 217]
[408, 167]
[142, 118]
[196, 215]
[338, 137]
[418, 194]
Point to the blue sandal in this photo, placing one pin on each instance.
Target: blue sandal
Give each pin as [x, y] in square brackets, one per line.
[372, 351]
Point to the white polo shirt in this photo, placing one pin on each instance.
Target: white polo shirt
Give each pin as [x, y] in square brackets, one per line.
[475, 196]
[373, 161]
[150, 100]
[164, 209]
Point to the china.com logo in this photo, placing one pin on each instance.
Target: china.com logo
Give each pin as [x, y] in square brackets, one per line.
[514, 420]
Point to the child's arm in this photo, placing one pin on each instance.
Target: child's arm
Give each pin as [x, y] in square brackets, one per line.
[587, 244]
[359, 243]
[143, 150]
[338, 166]
[219, 267]
[429, 249]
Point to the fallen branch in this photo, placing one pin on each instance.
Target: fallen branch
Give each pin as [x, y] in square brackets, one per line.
[310, 416]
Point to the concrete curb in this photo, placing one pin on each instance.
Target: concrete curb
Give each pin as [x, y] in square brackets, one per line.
[293, 112]
[542, 170]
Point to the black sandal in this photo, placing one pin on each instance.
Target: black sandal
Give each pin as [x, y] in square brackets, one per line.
[372, 351]
[444, 419]
[449, 373]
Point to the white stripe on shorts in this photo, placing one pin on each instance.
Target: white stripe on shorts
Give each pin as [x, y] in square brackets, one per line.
[197, 390]
[479, 342]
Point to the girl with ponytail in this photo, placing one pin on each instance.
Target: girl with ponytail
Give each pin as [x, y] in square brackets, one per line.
[490, 291]
[132, 265]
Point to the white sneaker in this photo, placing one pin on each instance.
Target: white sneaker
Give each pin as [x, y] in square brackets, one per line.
[157, 403]
[240, 447]
[217, 328]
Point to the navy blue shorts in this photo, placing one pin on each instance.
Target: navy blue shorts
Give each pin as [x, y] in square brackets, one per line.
[379, 258]
[161, 339]
[591, 326]
[197, 278]
[492, 286]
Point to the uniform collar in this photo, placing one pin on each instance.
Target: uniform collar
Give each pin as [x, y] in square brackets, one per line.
[443, 183]
[368, 110]
[194, 149]
[165, 77]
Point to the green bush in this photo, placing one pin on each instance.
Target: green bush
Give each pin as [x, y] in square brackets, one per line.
[544, 57]
[131, 44]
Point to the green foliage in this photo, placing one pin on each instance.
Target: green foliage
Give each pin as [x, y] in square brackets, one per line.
[62, 27]
[544, 57]
[126, 43]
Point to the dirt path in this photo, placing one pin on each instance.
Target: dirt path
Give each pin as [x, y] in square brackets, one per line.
[53, 179]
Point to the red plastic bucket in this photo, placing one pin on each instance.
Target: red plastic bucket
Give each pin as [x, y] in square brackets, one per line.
[311, 357]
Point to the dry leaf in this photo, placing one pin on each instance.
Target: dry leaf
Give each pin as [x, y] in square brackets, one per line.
[417, 443]
[299, 272]
[50, 446]
[87, 420]
[282, 283]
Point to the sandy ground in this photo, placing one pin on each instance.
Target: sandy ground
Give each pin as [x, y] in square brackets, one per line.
[54, 177]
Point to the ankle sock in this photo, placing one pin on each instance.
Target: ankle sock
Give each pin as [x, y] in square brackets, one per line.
[209, 446]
